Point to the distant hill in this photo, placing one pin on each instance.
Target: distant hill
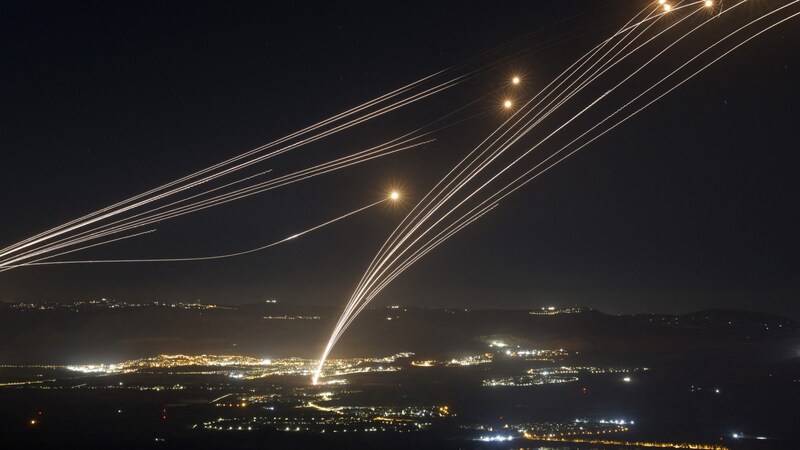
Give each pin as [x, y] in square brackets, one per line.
[111, 331]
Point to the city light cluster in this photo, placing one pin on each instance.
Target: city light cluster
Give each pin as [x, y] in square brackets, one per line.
[284, 317]
[537, 355]
[313, 418]
[245, 367]
[553, 375]
[472, 360]
[103, 303]
[552, 311]
[674, 445]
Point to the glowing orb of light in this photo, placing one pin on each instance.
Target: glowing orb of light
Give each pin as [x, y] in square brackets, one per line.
[515, 80]
[394, 195]
[507, 104]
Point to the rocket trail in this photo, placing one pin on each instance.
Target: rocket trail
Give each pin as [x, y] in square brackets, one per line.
[332, 119]
[467, 178]
[450, 194]
[150, 216]
[123, 209]
[393, 257]
[357, 158]
[510, 188]
[199, 258]
[357, 115]
[441, 188]
[173, 210]
[365, 281]
[128, 223]
[476, 170]
[430, 245]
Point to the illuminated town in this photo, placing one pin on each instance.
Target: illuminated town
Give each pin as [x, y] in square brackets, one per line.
[243, 367]
[552, 311]
[88, 305]
[243, 403]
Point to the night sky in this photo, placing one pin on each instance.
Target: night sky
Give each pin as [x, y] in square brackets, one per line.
[692, 205]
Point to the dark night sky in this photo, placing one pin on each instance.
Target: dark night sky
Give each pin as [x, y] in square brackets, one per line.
[692, 205]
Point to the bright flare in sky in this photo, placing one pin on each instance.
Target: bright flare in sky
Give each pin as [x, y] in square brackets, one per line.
[515, 80]
[507, 103]
[394, 195]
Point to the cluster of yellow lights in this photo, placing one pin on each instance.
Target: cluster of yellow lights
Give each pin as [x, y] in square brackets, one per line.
[507, 103]
[556, 436]
[680, 445]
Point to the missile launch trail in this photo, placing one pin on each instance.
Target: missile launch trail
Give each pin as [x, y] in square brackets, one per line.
[435, 208]
[399, 98]
[394, 196]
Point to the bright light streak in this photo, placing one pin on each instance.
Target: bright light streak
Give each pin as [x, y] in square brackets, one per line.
[151, 196]
[99, 215]
[206, 258]
[126, 224]
[353, 307]
[495, 438]
[398, 98]
[346, 319]
[382, 269]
